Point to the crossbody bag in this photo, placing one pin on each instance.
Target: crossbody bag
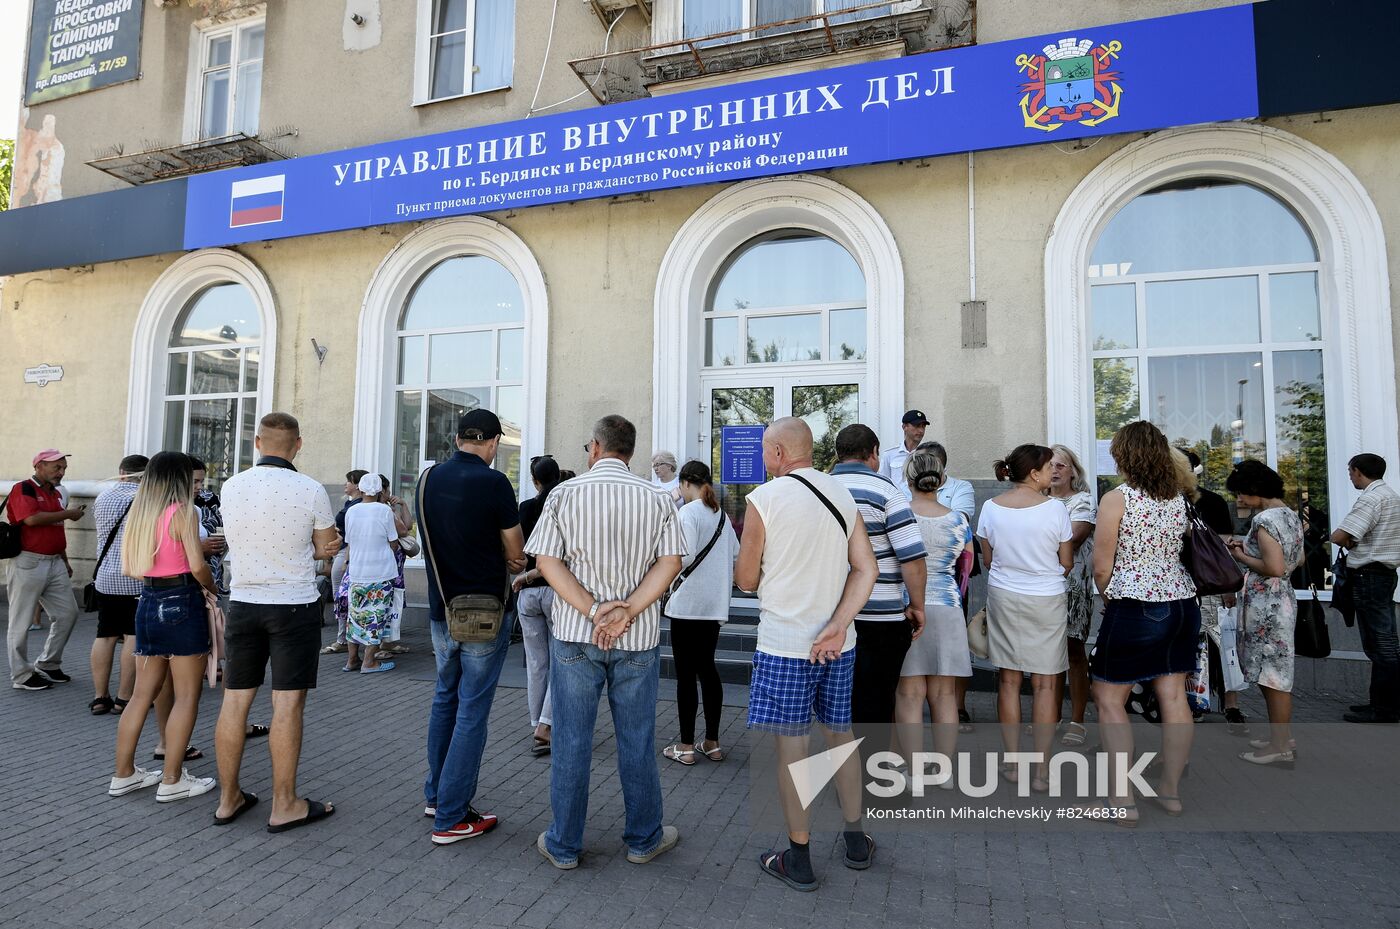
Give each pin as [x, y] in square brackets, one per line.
[90, 597]
[471, 618]
[680, 578]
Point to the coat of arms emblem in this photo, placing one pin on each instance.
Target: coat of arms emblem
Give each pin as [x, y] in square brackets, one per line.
[1072, 82]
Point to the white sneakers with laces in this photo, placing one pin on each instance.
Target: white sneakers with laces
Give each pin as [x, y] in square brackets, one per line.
[187, 786]
[139, 778]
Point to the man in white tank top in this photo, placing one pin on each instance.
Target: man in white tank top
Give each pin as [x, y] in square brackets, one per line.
[806, 553]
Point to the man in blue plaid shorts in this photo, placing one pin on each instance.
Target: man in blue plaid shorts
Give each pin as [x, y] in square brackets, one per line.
[806, 553]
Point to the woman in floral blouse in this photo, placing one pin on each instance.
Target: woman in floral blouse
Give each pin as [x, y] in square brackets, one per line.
[1151, 620]
[1273, 548]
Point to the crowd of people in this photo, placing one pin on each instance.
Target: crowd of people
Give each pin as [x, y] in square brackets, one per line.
[861, 575]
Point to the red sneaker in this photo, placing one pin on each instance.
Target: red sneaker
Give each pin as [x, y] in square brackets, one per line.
[474, 825]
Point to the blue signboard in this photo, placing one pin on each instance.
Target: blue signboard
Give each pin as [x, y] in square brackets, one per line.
[741, 454]
[1150, 74]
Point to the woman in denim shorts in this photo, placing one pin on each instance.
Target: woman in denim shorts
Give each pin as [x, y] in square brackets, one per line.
[161, 546]
[1151, 620]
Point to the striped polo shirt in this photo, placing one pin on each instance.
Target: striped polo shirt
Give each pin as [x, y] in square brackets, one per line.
[1374, 522]
[609, 527]
[894, 535]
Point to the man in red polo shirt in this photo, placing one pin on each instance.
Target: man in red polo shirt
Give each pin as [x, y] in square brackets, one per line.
[40, 574]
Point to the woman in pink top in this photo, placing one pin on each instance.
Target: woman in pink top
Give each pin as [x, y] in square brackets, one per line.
[161, 547]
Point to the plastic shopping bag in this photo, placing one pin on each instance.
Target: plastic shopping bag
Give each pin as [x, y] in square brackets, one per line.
[1231, 672]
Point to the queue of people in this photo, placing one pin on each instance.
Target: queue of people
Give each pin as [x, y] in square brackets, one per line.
[861, 577]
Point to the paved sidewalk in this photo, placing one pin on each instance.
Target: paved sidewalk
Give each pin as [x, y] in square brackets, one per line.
[71, 858]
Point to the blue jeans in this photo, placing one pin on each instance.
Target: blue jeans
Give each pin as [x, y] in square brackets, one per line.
[1373, 586]
[467, 674]
[577, 674]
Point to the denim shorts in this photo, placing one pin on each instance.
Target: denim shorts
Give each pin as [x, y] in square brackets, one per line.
[785, 693]
[172, 621]
[1141, 640]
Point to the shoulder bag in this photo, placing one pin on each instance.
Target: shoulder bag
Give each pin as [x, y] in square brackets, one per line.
[1343, 597]
[1310, 636]
[680, 578]
[471, 618]
[10, 532]
[90, 597]
[1206, 558]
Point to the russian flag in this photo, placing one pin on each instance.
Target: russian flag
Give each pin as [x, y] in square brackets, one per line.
[257, 201]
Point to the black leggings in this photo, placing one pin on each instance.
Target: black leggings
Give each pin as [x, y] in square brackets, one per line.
[693, 643]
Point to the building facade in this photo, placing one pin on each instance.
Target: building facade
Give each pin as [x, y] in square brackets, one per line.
[1229, 280]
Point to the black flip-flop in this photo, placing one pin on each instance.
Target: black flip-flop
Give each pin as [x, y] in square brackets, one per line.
[191, 754]
[772, 863]
[860, 864]
[540, 748]
[256, 731]
[315, 811]
[249, 801]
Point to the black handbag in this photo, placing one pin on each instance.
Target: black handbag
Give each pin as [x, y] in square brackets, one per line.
[1310, 636]
[91, 599]
[1343, 596]
[1208, 561]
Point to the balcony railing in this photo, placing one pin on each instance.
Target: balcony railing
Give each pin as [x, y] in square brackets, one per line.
[160, 163]
[923, 25]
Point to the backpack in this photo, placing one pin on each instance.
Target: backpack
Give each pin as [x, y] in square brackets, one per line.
[10, 532]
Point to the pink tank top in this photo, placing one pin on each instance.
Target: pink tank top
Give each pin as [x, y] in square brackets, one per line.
[170, 559]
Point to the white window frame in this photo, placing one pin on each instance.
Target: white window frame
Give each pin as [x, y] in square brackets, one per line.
[423, 58]
[671, 13]
[186, 398]
[150, 344]
[1353, 284]
[200, 37]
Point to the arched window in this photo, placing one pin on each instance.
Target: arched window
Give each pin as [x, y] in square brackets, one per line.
[460, 345]
[211, 385]
[1205, 318]
[787, 296]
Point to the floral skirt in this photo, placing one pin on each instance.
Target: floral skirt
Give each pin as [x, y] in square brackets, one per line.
[371, 612]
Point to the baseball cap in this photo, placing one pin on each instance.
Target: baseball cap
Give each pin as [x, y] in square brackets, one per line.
[49, 454]
[915, 418]
[478, 425]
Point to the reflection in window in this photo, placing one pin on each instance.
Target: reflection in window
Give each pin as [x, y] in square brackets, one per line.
[789, 297]
[211, 380]
[1213, 296]
[488, 26]
[461, 346]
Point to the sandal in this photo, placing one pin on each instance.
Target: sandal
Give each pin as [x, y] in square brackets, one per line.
[965, 722]
[397, 649]
[256, 731]
[540, 748]
[191, 754]
[773, 863]
[101, 706]
[1162, 800]
[351, 667]
[861, 864]
[711, 753]
[118, 704]
[1074, 734]
[334, 648]
[679, 755]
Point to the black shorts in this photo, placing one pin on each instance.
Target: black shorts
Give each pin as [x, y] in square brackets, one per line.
[288, 635]
[116, 615]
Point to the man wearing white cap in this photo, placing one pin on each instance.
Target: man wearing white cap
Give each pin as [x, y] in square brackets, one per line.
[40, 574]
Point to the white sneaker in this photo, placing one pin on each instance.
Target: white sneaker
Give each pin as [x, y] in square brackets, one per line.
[121, 786]
[187, 786]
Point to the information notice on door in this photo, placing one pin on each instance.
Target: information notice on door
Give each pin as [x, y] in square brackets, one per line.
[741, 454]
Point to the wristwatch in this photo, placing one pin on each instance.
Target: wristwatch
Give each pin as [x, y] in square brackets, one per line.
[593, 610]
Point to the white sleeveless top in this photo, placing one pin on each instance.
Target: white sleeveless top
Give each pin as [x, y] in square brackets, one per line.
[805, 561]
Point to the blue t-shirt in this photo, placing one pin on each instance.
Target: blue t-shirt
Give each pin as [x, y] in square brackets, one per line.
[466, 505]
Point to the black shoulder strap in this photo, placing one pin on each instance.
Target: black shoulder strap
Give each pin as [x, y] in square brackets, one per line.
[112, 536]
[719, 530]
[840, 520]
[423, 529]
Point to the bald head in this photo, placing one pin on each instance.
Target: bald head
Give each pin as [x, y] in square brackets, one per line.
[787, 446]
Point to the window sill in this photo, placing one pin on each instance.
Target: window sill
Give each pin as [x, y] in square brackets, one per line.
[473, 93]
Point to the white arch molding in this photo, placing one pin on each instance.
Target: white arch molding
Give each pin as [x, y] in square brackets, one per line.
[728, 220]
[168, 296]
[1354, 285]
[416, 254]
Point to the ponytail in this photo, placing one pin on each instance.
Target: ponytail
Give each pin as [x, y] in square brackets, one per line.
[697, 474]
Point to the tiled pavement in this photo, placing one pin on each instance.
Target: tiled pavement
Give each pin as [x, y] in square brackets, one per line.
[71, 858]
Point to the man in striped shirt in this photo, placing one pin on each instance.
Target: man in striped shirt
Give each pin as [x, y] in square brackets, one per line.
[891, 620]
[609, 543]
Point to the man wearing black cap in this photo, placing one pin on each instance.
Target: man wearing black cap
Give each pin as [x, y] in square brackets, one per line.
[892, 459]
[471, 526]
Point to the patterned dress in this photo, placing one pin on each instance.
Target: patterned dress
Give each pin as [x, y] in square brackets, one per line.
[1270, 608]
[1080, 582]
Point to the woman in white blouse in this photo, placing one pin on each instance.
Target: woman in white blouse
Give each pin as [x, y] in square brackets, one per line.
[1027, 550]
[698, 606]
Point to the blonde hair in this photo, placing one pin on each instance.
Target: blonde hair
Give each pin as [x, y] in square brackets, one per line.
[1185, 475]
[924, 470]
[1079, 481]
[168, 478]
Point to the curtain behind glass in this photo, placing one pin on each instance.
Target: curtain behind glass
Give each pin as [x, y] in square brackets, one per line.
[706, 17]
[494, 50]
